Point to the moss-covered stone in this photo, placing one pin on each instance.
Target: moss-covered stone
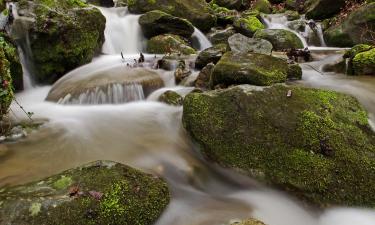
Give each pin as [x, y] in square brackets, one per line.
[292, 15]
[280, 39]
[249, 68]
[210, 55]
[316, 144]
[220, 36]
[242, 44]
[224, 16]
[196, 11]
[157, 22]
[322, 9]
[364, 63]
[294, 72]
[263, 6]
[102, 192]
[169, 43]
[357, 28]
[6, 91]
[65, 34]
[248, 25]
[171, 98]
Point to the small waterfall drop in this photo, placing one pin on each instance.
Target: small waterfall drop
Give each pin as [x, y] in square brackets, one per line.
[200, 41]
[122, 32]
[111, 94]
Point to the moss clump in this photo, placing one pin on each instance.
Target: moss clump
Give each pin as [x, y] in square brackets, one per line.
[169, 43]
[249, 68]
[248, 25]
[316, 144]
[66, 34]
[171, 98]
[364, 63]
[294, 72]
[280, 39]
[98, 193]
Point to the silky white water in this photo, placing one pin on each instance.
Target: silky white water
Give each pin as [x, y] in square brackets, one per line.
[149, 136]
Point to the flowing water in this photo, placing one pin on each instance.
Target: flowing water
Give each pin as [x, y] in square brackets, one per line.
[149, 135]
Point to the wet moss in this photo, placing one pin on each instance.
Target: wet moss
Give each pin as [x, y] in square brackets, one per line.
[169, 43]
[364, 63]
[315, 144]
[248, 25]
[171, 98]
[100, 193]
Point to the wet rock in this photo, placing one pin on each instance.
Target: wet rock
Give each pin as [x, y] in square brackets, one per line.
[102, 192]
[249, 222]
[210, 55]
[204, 77]
[170, 62]
[249, 68]
[103, 3]
[182, 71]
[65, 34]
[220, 36]
[263, 6]
[277, 139]
[71, 87]
[241, 44]
[357, 28]
[322, 9]
[169, 43]
[280, 39]
[224, 16]
[292, 15]
[248, 25]
[156, 22]
[294, 72]
[364, 63]
[171, 98]
[297, 25]
[196, 11]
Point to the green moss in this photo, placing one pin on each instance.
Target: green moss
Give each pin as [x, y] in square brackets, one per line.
[171, 98]
[35, 209]
[316, 144]
[357, 49]
[364, 63]
[169, 43]
[249, 25]
[280, 39]
[63, 183]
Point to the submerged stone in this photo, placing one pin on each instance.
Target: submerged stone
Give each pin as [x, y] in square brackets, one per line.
[101, 192]
[313, 143]
[249, 68]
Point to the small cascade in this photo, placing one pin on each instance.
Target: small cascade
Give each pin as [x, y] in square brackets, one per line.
[320, 35]
[200, 41]
[111, 94]
[122, 32]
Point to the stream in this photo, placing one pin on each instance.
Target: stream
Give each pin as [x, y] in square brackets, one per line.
[148, 135]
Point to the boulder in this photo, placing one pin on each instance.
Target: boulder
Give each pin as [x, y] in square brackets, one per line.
[323, 9]
[357, 28]
[204, 77]
[241, 44]
[65, 34]
[315, 144]
[220, 36]
[280, 39]
[101, 192]
[210, 55]
[249, 68]
[196, 11]
[169, 43]
[157, 22]
[294, 72]
[263, 6]
[364, 63]
[248, 25]
[171, 98]
[73, 85]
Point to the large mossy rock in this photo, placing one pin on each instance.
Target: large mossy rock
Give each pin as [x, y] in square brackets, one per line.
[210, 55]
[158, 22]
[11, 55]
[242, 44]
[102, 192]
[196, 11]
[220, 36]
[323, 9]
[280, 39]
[364, 63]
[169, 43]
[357, 28]
[315, 144]
[248, 25]
[65, 34]
[249, 68]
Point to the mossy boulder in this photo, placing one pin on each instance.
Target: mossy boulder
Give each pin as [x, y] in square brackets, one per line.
[169, 43]
[294, 72]
[263, 6]
[364, 63]
[323, 9]
[65, 34]
[102, 192]
[357, 28]
[171, 98]
[248, 25]
[249, 68]
[11, 55]
[157, 22]
[280, 39]
[196, 11]
[220, 36]
[242, 44]
[315, 144]
[210, 55]
[224, 16]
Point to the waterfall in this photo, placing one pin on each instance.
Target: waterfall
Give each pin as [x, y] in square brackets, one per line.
[320, 35]
[200, 41]
[111, 94]
[122, 32]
